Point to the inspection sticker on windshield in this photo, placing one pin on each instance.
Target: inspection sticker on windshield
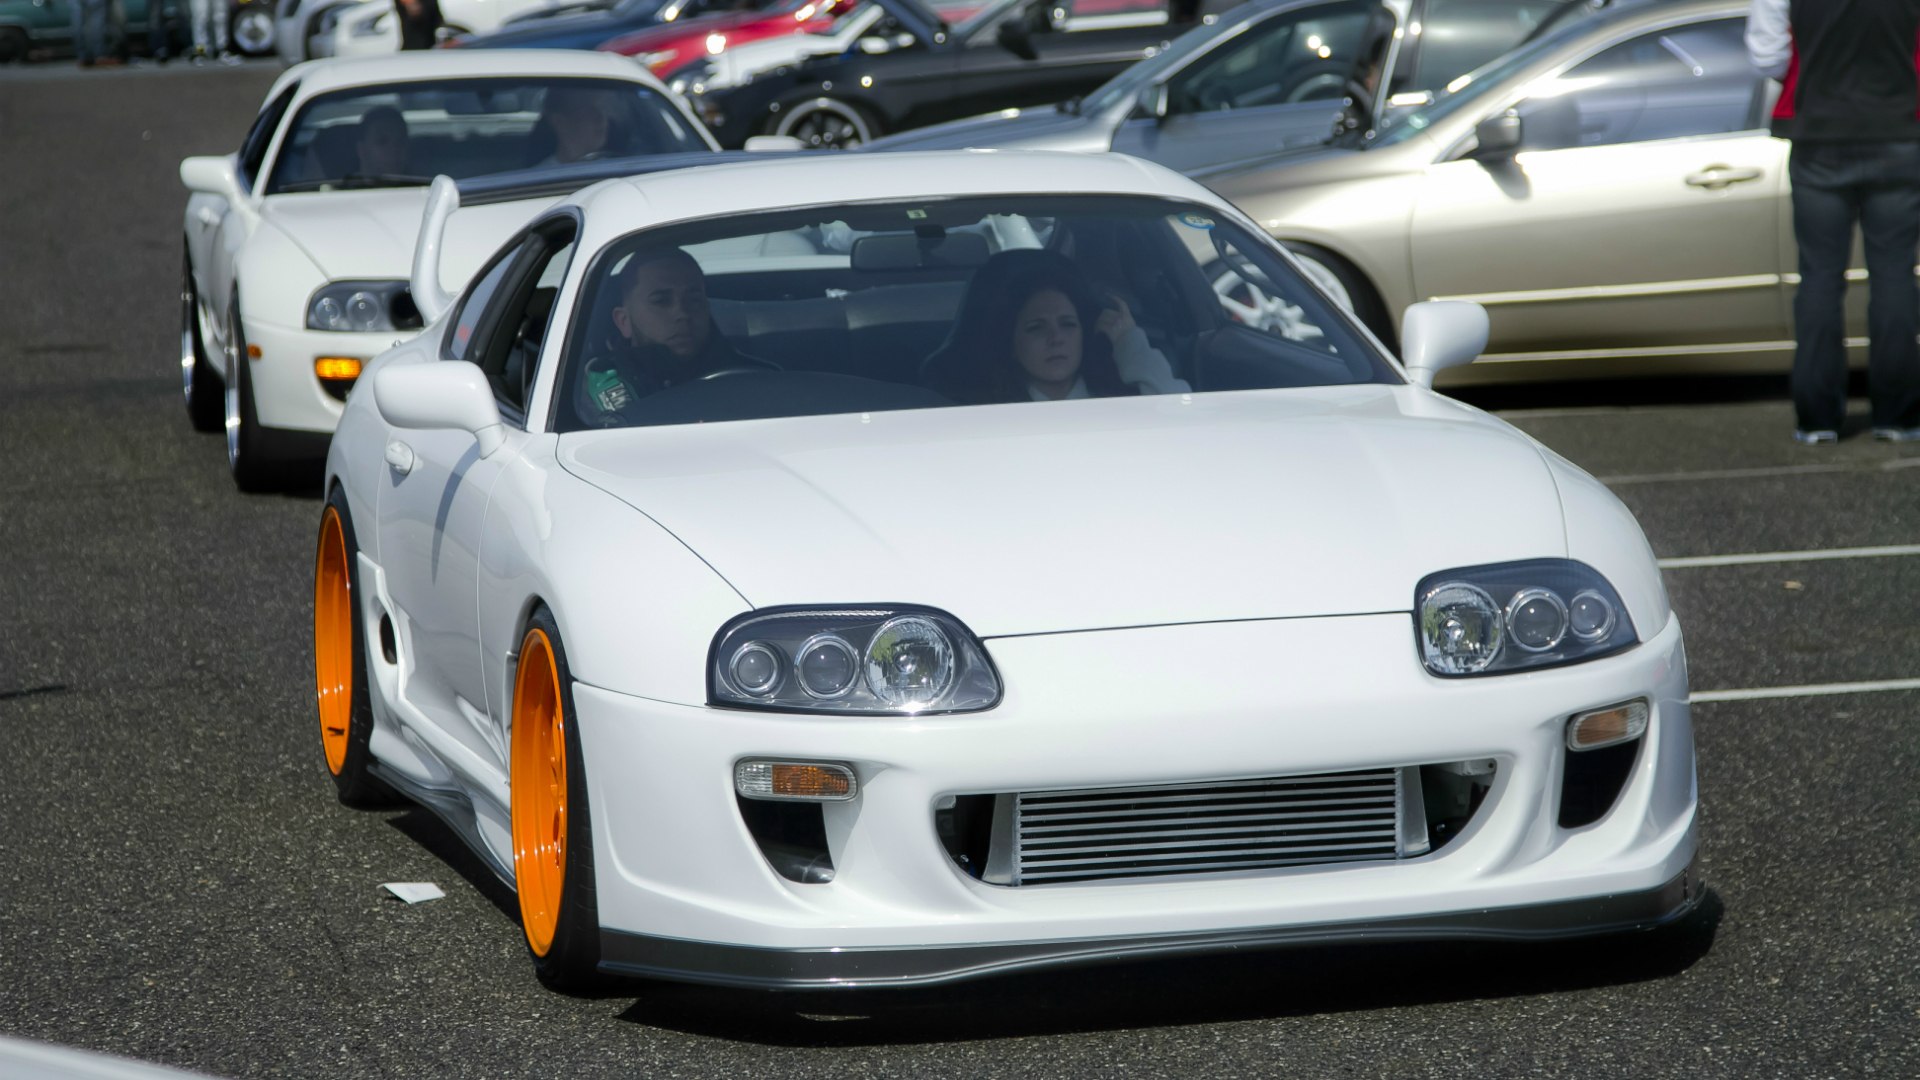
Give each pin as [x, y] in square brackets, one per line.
[1196, 221]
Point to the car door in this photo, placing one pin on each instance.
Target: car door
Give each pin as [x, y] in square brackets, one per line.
[1072, 53]
[432, 510]
[1641, 211]
[218, 227]
[1270, 83]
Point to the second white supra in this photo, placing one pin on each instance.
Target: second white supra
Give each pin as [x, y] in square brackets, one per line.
[893, 569]
[298, 246]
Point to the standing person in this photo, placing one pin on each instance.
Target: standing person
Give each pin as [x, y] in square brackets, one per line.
[210, 29]
[90, 31]
[1850, 81]
[420, 23]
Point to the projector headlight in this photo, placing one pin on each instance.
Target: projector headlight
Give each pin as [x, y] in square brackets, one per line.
[362, 307]
[1485, 620]
[892, 660]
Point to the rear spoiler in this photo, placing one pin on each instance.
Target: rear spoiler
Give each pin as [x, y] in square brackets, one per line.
[548, 182]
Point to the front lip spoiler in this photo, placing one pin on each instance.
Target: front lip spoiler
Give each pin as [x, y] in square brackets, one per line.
[680, 960]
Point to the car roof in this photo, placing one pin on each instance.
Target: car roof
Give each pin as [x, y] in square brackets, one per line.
[791, 180]
[320, 76]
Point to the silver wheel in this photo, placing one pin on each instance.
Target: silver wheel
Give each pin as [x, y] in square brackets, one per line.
[253, 30]
[1322, 275]
[825, 124]
[198, 382]
[1252, 305]
[232, 396]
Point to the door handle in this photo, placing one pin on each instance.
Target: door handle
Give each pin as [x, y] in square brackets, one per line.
[400, 457]
[1715, 177]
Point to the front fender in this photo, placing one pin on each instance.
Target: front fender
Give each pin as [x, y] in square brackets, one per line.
[636, 608]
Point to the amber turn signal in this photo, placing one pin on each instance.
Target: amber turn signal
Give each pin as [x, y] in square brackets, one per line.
[808, 781]
[1610, 726]
[336, 368]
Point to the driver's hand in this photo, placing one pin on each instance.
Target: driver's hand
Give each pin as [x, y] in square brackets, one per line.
[1116, 321]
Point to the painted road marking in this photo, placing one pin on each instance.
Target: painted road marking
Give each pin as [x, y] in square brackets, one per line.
[1889, 551]
[1820, 690]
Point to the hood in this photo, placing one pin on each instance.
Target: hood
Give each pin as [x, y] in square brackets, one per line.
[1027, 519]
[371, 234]
[1040, 128]
[687, 32]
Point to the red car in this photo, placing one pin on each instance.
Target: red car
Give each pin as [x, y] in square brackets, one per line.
[674, 45]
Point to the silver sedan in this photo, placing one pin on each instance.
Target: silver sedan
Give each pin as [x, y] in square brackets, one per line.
[1608, 191]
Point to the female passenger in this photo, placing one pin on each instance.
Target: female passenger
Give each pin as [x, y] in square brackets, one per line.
[1051, 337]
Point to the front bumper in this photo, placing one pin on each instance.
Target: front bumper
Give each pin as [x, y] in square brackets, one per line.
[684, 892]
[287, 395]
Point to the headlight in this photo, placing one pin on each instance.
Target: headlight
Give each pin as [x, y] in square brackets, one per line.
[902, 661]
[692, 79]
[363, 307]
[1485, 620]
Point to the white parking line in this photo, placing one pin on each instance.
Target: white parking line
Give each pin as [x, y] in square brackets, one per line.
[1758, 474]
[1890, 551]
[1703, 697]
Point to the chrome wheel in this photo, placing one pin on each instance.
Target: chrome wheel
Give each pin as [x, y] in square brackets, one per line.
[826, 124]
[253, 30]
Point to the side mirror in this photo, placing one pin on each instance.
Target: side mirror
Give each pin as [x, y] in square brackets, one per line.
[1498, 136]
[211, 175]
[1151, 102]
[1014, 37]
[439, 395]
[1440, 334]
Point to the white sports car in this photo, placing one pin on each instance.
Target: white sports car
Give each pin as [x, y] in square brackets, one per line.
[298, 247]
[833, 572]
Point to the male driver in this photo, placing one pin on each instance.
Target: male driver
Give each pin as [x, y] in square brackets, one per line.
[1848, 103]
[666, 332]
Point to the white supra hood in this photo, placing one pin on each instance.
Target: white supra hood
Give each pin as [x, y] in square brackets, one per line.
[1025, 519]
[371, 234]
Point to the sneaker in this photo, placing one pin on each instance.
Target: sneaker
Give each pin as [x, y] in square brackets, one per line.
[1816, 436]
[1897, 434]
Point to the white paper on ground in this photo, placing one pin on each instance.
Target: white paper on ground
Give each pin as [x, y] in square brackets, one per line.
[414, 892]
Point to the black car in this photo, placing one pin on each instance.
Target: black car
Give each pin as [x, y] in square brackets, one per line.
[586, 27]
[916, 69]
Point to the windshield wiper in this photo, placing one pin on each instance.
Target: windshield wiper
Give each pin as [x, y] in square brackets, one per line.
[354, 181]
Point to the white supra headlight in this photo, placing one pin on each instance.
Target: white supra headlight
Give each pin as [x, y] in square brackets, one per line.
[892, 660]
[362, 307]
[1516, 616]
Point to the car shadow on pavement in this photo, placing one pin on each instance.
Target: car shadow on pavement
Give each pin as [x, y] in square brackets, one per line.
[1257, 985]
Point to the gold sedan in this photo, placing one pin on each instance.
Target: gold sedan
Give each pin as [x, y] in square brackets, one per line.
[1609, 191]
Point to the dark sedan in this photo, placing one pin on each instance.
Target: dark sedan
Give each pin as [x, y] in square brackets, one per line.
[916, 69]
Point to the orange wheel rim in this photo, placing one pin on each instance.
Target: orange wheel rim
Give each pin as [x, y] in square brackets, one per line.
[333, 639]
[539, 791]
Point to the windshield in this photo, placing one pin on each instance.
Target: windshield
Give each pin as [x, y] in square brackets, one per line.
[1126, 85]
[1401, 124]
[939, 303]
[405, 134]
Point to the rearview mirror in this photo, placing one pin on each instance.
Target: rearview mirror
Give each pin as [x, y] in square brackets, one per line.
[1440, 334]
[210, 175]
[439, 395]
[1014, 38]
[1498, 136]
[1151, 102]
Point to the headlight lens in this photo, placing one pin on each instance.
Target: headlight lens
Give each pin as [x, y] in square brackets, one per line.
[893, 660]
[363, 307]
[1485, 620]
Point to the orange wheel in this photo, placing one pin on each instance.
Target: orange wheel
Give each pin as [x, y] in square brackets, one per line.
[539, 791]
[333, 640]
[340, 662]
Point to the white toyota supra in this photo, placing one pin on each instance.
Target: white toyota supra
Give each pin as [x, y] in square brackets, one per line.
[298, 246]
[888, 570]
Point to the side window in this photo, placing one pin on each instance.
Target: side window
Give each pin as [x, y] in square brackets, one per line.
[504, 318]
[1302, 56]
[253, 149]
[473, 306]
[1684, 81]
[1458, 36]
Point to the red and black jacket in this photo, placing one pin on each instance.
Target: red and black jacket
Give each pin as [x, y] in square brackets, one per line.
[1855, 72]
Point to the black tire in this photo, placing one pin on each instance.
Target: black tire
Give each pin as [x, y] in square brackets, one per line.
[199, 382]
[251, 29]
[1364, 299]
[248, 456]
[826, 123]
[571, 927]
[340, 662]
[13, 45]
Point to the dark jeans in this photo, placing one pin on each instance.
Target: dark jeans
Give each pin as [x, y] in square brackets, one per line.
[1835, 186]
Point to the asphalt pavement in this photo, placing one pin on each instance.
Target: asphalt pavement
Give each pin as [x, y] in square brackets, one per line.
[178, 884]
